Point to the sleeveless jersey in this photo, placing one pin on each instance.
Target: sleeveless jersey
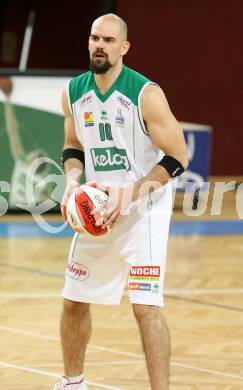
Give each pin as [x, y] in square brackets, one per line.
[118, 149]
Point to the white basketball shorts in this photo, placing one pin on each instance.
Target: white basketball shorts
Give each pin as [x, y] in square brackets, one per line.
[132, 253]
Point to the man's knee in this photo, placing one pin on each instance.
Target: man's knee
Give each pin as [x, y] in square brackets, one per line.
[145, 311]
[75, 308]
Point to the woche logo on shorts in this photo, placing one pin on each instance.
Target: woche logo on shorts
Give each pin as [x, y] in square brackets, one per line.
[149, 272]
[77, 271]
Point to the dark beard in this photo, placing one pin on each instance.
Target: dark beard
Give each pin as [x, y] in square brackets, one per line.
[99, 68]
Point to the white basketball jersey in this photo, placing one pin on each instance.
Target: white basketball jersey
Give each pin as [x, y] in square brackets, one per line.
[117, 147]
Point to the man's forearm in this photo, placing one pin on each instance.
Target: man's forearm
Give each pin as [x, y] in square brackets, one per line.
[155, 179]
[73, 169]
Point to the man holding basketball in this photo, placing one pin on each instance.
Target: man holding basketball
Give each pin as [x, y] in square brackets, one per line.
[119, 128]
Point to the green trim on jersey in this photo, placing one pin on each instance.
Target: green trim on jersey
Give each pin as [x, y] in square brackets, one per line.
[79, 86]
[128, 83]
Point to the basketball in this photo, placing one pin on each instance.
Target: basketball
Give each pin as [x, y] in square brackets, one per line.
[79, 206]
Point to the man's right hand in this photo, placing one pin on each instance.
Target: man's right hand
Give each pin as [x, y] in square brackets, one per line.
[72, 185]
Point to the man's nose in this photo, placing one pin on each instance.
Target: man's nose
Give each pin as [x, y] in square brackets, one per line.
[100, 44]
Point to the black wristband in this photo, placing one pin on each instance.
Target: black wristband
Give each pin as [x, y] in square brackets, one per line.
[172, 165]
[73, 153]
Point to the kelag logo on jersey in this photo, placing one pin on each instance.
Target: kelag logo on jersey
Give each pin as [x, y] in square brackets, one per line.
[88, 119]
[110, 159]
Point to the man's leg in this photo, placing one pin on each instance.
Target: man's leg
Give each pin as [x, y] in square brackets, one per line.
[75, 334]
[156, 343]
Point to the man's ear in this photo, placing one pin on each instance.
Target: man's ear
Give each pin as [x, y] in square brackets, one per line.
[125, 47]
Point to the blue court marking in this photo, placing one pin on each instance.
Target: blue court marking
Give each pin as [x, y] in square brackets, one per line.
[186, 228]
[206, 228]
[31, 230]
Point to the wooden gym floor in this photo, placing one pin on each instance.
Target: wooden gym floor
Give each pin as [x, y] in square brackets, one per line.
[204, 310]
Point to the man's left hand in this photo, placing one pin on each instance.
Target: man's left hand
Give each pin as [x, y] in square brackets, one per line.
[119, 200]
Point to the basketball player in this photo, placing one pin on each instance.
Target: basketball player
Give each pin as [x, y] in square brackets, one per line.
[119, 128]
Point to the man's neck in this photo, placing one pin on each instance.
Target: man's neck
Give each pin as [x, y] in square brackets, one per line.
[106, 80]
